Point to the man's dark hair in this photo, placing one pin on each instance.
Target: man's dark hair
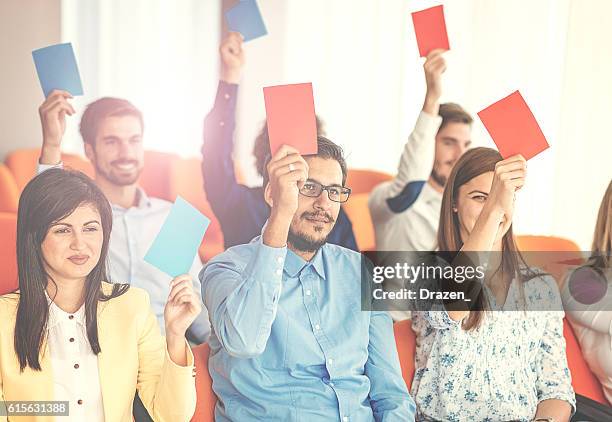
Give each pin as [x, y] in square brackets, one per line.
[261, 149]
[101, 109]
[454, 113]
[325, 149]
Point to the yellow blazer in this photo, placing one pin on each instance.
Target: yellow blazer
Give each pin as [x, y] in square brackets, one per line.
[134, 357]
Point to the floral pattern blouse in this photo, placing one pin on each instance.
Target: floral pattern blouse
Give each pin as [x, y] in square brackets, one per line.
[500, 371]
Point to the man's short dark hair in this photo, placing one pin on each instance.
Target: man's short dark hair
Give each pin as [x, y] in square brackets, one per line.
[454, 113]
[325, 149]
[261, 149]
[101, 109]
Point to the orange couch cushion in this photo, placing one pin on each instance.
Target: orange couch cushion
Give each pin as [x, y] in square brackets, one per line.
[23, 163]
[356, 209]
[8, 252]
[205, 407]
[9, 194]
[583, 380]
[406, 344]
[363, 181]
[551, 254]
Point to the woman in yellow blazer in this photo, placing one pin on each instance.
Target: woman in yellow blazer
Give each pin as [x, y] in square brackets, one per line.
[67, 335]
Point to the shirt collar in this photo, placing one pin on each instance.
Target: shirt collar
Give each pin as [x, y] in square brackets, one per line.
[142, 200]
[294, 264]
[57, 315]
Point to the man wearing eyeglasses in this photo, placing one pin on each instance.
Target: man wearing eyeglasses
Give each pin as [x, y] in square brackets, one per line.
[289, 341]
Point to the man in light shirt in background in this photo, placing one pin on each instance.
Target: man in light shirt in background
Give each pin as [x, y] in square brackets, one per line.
[405, 211]
[112, 130]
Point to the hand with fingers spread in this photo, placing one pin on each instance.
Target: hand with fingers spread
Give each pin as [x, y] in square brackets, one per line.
[509, 176]
[287, 172]
[434, 66]
[232, 58]
[53, 113]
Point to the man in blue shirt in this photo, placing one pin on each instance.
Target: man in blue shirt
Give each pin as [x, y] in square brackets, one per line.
[241, 210]
[289, 341]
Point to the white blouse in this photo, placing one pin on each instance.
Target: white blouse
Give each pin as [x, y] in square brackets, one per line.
[592, 324]
[75, 366]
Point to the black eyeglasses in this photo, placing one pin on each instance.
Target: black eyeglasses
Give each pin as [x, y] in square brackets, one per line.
[335, 193]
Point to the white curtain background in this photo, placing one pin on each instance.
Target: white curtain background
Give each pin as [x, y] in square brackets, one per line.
[159, 54]
[362, 58]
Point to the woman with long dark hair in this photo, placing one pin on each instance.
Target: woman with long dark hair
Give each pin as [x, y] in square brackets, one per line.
[68, 335]
[503, 358]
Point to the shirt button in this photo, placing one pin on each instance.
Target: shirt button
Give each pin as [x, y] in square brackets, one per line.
[308, 292]
[317, 327]
[71, 340]
[80, 401]
[345, 419]
[330, 361]
[222, 123]
[279, 271]
[331, 384]
[226, 96]
[76, 366]
[71, 317]
[279, 259]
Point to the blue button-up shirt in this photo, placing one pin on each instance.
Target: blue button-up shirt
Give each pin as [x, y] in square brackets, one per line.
[289, 341]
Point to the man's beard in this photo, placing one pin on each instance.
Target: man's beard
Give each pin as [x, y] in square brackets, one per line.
[305, 243]
[438, 178]
[116, 180]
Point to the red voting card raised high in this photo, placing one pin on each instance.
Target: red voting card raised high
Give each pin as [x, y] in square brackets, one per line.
[430, 30]
[290, 115]
[513, 127]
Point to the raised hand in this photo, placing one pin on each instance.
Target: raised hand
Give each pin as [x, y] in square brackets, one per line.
[53, 113]
[287, 172]
[509, 176]
[434, 67]
[182, 307]
[232, 58]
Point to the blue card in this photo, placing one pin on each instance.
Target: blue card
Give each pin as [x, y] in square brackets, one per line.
[177, 243]
[246, 19]
[57, 69]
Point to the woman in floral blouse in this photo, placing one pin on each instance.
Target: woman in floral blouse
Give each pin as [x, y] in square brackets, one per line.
[506, 359]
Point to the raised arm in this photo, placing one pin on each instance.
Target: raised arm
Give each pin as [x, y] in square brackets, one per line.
[242, 300]
[417, 160]
[220, 184]
[53, 113]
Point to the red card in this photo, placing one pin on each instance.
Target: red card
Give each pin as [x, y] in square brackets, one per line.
[513, 128]
[430, 30]
[291, 117]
